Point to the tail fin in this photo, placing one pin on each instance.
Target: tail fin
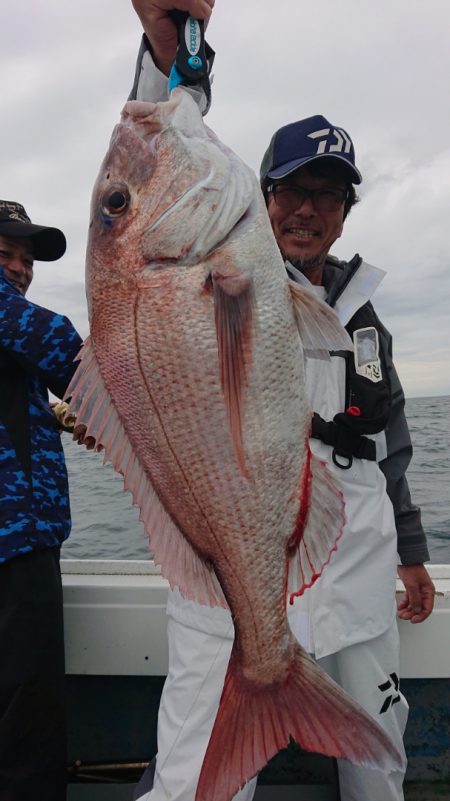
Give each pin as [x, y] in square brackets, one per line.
[253, 724]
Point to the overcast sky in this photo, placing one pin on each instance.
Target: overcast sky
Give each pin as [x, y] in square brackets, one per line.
[379, 68]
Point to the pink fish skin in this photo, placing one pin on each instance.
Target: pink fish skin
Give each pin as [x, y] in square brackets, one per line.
[192, 381]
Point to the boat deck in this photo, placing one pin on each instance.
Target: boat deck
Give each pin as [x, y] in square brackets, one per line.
[424, 791]
[116, 656]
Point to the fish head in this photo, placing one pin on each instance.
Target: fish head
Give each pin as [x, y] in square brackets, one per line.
[168, 192]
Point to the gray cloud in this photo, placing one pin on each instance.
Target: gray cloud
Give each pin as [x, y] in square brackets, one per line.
[377, 69]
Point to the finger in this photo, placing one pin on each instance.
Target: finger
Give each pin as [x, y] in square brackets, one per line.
[199, 9]
[208, 7]
[403, 601]
[196, 8]
[415, 597]
[404, 610]
[428, 596]
[405, 614]
[407, 610]
[420, 617]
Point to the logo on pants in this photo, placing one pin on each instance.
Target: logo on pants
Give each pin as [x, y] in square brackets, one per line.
[392, 684]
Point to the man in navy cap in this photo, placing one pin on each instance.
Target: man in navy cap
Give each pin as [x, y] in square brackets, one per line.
[347, 619]
[37, 352]
[308, 176]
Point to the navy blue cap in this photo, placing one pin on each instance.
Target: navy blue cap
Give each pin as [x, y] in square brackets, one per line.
[307, 140]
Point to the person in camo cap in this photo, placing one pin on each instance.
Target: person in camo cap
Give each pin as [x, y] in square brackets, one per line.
[37, 352]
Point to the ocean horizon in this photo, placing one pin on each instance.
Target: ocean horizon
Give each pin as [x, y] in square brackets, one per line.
[105, 524]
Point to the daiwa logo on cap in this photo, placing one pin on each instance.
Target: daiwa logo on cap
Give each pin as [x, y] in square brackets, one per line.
[342, 142]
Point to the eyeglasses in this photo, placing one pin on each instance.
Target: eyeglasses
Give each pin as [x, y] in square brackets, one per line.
[289, 197]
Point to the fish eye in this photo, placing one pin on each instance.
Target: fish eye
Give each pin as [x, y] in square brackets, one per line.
[115, 201]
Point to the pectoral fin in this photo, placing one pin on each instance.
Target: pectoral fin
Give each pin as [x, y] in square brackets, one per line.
[233, 294]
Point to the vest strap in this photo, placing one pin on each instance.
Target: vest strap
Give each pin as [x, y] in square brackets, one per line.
[345, 442]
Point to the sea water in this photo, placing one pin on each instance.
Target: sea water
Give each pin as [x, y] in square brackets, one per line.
[106, 525]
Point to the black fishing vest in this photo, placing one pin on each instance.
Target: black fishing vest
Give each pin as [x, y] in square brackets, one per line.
[367, 383]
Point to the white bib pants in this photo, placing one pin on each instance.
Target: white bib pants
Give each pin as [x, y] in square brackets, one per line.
[200, 642]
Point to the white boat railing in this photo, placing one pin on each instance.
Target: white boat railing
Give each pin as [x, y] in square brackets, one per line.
[115, 622]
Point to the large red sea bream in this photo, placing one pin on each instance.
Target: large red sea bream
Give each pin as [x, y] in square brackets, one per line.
[192, 380]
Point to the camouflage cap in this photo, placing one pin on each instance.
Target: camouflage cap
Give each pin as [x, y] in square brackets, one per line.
[48, 244]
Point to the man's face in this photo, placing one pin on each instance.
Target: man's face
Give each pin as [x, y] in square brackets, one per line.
[305, 234]
[16, 258]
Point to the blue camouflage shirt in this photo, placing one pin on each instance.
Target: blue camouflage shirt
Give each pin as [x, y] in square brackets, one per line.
[37, 352]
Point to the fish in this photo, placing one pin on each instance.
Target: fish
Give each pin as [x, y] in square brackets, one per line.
[192, 383]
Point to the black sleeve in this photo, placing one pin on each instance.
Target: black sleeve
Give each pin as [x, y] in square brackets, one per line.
[412, 547]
